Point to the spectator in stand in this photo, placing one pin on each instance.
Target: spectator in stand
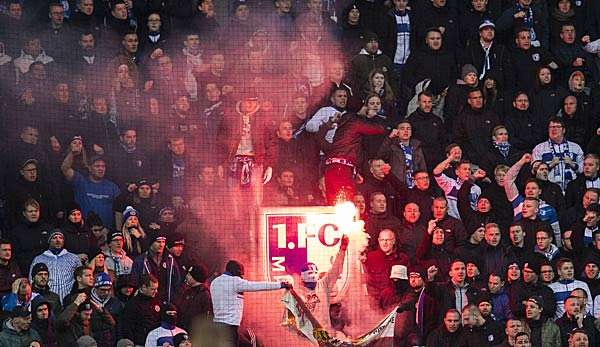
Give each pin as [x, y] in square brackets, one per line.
[545, 212]
[168, 327]
[75, 320]
[428, 129]
[548, 94]
[9, 270]
[565, 158]
[368, 59]
[16, 331]
[451, 186]
[565, 284]
[31, 235]
[40, 277]
[116, 259]
[228, 305]
[440, 60]
[378, 263]
[525, 126]
[533, 17]
[448, 333]
[77, 233]
[142, 312]
[544, 331]
[477, 330]
[404, 153]
[84, 282]
[575, 318]
[161, 264]
[94, 192]
[43, 321]
[194, 289]
[589, 179]
[60, 262]
[379, 218]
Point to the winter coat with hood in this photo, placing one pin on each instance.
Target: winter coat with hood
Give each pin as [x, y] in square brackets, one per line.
[44, 327]
[352, 35]
[10, 337]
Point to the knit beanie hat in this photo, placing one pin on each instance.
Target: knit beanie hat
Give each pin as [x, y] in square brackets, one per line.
[129, 212]
[467, 69]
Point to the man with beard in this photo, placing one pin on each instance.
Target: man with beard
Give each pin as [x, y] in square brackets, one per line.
[86, 57]
[575, 318]
[60, 262]
[589, 179]
[416, 310]
[477, 331]
[128, 162]
[40, 277]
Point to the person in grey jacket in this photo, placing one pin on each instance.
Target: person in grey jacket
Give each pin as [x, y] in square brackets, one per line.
[16, 330]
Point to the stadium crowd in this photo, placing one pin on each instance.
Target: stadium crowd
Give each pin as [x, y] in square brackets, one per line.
[137, 133]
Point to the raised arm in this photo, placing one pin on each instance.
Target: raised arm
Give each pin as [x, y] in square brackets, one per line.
[338, 263]
[67, 167]
[510, 188]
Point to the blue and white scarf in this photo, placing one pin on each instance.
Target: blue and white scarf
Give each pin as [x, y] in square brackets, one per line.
[408, 160]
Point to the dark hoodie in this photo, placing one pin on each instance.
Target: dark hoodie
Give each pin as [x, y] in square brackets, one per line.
[44, 327]
[353, 35]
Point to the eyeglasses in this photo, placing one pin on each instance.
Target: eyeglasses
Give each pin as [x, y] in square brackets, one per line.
[555, 127]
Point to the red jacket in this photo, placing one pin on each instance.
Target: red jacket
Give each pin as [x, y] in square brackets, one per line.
[348, 137]
[378, 267]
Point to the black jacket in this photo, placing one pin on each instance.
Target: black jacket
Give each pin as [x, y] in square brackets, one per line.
[472, 131]
[428, 16]
[525, 64]
[140, 316]
[521, 291]
[429, 130]
[525, 129]
[493, 158]
[201, 309]
[29, 240]
[438, 66]
[575, 190]
[546, 101]
[490, 333]
[445, 294]
[440, 337]
[500, 64]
